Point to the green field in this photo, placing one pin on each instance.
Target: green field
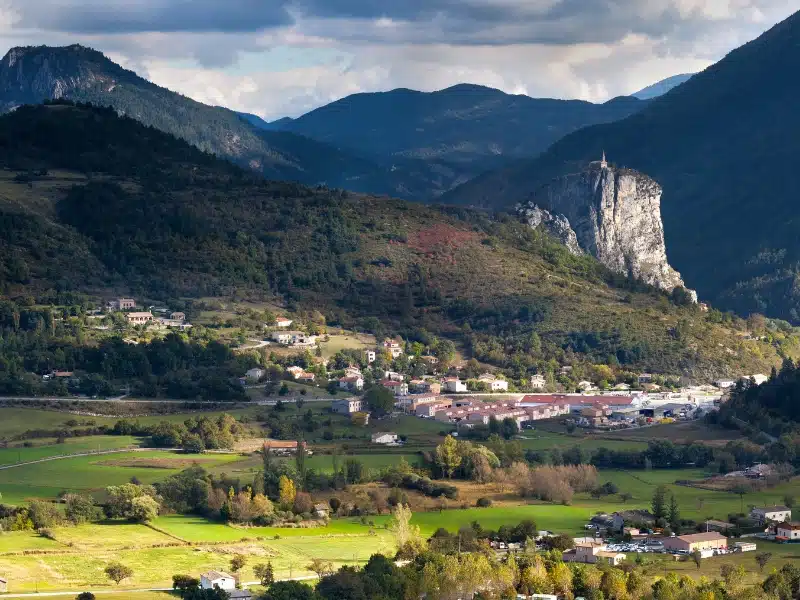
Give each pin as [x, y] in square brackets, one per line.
[93, 473]
[11, 456]
[546, 440]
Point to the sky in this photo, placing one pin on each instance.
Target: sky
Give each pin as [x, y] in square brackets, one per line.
[280, 58]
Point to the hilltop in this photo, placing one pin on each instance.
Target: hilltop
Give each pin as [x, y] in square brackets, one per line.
[90, 200]
[462, 130]
[724, 148]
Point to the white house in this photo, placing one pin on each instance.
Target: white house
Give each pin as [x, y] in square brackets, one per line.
[789, 531]
[724, 384]
[212, 579]
[645, 378]
[384, 437]
[393, 348]
[585, 385]
[255, 374]
[393, 376]
[494, 384]
[778, 514]
[178, 316]
[293, 338]
[348, 406]
[352, 371]
[283, 323]
[538, 382]
[454, 385]
[398, 388]
[370, 356]
[295, 371]
[354, 383]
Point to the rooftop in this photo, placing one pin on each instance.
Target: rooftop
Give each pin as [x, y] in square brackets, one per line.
[216, 575]
[708, 536]
[769, 509]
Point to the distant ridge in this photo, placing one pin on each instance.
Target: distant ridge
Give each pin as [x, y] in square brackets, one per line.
[662, 87]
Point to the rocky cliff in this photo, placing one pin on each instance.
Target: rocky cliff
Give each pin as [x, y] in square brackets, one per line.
[615, 215]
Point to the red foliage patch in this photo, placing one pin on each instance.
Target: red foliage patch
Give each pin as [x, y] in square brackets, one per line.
[440, 238]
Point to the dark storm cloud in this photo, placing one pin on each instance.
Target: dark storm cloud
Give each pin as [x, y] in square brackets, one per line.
[139, 16]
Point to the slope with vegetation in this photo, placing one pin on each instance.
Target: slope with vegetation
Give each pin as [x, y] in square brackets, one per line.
[452, 134]
[151, 211]
[724, 147]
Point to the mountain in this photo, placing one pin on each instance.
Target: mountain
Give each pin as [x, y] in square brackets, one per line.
[462, 130]
[724, 147]
[662, 87]
[260, 123]
[33, 74]
[94, 202]
[614, 215]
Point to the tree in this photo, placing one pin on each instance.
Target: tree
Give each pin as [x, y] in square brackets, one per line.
[625, 496]
[762, 558]
[658, 503]
[117, 572]
[303, 503]
[788, 500]
[406, 536]
[741, 490]
[674, 516]
[320, 567]
[238, 562]
[85, 596]
[265, 574]
[697, 557]
[43, 514]
[144, 509]
[184, 584]
[79, 508]
[380, 400]
[286, 491]
[289, 590]
[447, 455]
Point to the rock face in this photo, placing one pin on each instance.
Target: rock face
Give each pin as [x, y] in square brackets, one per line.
[615, 215]
[557, 225]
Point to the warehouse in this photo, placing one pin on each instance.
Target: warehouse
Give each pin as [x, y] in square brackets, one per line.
[711, 540]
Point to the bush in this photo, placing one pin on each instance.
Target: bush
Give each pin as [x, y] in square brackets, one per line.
[483, 503]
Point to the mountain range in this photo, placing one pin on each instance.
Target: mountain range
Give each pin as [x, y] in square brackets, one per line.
[662, 87]
[724, 147]
[90, 200]
[403, 143]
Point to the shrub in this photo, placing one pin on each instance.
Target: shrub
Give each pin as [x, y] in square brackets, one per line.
[483, 502]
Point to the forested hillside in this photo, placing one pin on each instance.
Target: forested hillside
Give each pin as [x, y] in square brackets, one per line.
[724, 146]
[453, 134]
[108, 203]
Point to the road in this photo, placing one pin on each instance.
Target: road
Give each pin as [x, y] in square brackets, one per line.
[143, 590]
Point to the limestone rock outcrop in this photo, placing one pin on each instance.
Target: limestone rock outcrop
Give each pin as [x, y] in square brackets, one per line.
[615, 215]
[557, 225]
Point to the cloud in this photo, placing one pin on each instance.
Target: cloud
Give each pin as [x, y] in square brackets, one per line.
[138, 16]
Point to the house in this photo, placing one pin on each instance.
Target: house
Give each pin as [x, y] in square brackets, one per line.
[645, 378]
[354, 383]
[284, 447]
[3, 585]
[398, 388]
[295, 371]
[778, 514]
[622, 387]
[422, 386]
[122, 304]
[255, 374]
[305, 376]
[384, 437]
[431, 360]
[283, 323]
[538, 382]
[352, 371]
[565, 370]
[585, 385]
[454, 385]
[393, 376]
[392, 348]
[347, 406]
[429, 410]
[758, 378]
[788, 531]
[321, 510]
[178, 316]
[293, 338]
[370, 356]
[494, 384]
[175, 324]
[592, 552]
[724, 384]
[138, 318]
[686, 544]
[217, 579]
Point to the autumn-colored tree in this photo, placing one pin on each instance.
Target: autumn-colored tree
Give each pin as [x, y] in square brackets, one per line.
[447, 456]
[286, 491]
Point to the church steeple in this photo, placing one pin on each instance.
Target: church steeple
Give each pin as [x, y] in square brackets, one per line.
[603, 163]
